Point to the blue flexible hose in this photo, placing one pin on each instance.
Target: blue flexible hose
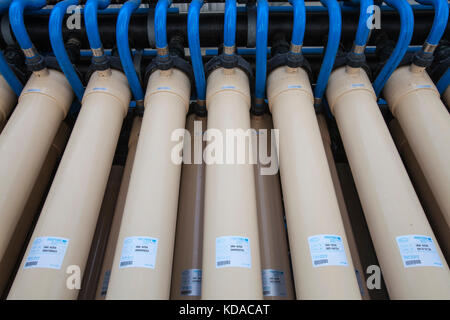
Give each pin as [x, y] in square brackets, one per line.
[90, 20]
[194, 48]
[160, 23]
[57, 42]
[298, 31]
[123, 46]
[444, 82]
[440, 19]
[262, 29]
[406, 32]
[363, 31]
[334, 36]
[229, 33]
[16, 10]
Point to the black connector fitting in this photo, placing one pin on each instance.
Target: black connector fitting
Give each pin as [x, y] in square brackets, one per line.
[101, 63]
[37, 63]
[423, 59]
[228, 62]
[291, 60]
[355, 60]
[294, 60]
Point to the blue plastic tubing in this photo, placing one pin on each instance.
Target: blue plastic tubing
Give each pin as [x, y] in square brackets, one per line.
[406, 32]
[298, 31]
[123, 21]
[334, 36]
[440, 19]
[16, 20]
[5, 70]
[194, 48]
[262, 29]
[444, 82]
[160, 23]
[57, 42]
[229, 32]
[365, 12]
[90, 20]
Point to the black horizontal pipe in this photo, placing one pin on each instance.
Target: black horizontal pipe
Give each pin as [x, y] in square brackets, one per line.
[211, 28]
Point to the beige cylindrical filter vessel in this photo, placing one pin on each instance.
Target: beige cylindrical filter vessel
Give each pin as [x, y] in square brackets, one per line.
[187, 257]
[411, 261]
[54, 263]
[321, 260]
[276, 268]
[101, 234]
[359, 270]
[429, 203]
[7, 101]
[142, 264]
[231, 256]
[414, 100]
[25, 142]
[34, 203]
[105, 272]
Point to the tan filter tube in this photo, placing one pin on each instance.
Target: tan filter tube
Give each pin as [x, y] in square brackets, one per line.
[187, 258]
[7, 101]
[411, 261]
[359, 270]
[143, 259]
[9, 260]
[414, 100]
[105, 272]
[429, 203]
[99, 242]
[54, 263]
[321, 260]
[25, 142]
[275, 264]
[231, 256]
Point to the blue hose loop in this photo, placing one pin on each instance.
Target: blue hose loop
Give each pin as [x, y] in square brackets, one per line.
[123, 46]
[90, 20]
[16, 10]
[444, 82]
[160, 27]
[440, 20]
[262, 30]
[363, 31]
[57, 43]
[406, 31]
[334, 37]
[9, 76]
[229, 30]
[298, 31]
[194, 48]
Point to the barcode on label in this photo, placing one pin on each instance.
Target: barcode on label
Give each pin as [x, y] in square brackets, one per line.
[126, 263]
[321, 261]
[412, 262]
[31, 263]
[223, 263]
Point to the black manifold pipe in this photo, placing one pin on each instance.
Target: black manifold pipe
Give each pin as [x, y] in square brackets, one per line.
[211, 28]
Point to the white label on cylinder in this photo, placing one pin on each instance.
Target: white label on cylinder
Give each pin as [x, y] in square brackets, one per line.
[139, 252]
[47, 252]
[191, 282]
[233, 251]
[418, 251]
[274, 283]
[327, 250]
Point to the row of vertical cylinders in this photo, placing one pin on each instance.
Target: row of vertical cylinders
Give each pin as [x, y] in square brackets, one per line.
[235, 206]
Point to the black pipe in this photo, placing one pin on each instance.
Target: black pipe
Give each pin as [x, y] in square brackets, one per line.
[211, 28]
